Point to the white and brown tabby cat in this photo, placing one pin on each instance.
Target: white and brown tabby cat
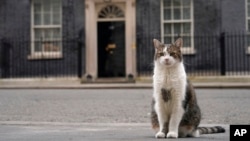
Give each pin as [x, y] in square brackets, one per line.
[175, 112]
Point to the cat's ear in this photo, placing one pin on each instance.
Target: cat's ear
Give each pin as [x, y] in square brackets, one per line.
[157, 44]
[178, 43]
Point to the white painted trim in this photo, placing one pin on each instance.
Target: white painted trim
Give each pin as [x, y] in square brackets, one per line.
[162, 22]
[192, 48]
[248, 50]
[246, 22]
[91, 38]
[110, 20]
[32, 29]
[188, 51]
[47, 26]
[246, 14]
[177, 21]
[50, 55]
[130, 28]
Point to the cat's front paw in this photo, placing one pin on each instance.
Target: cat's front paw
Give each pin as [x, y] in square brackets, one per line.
[172, 135]
[160, 135]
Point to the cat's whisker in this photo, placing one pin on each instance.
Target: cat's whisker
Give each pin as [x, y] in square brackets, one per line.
[187, 64]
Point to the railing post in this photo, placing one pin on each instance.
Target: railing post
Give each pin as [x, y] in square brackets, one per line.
[5, 59]
[1, 57]
[222, 54]
[79, 64]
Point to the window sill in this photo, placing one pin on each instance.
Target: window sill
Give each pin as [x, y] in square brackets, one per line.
[188, 51]
[44, 56]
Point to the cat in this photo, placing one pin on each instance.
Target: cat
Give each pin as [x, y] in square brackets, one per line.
[175, 111]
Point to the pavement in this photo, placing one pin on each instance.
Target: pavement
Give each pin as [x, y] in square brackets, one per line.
[106, 114]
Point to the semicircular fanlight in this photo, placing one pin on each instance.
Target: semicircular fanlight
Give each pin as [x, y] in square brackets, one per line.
[111, 11]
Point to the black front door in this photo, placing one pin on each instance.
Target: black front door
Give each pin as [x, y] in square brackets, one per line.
[111, 49]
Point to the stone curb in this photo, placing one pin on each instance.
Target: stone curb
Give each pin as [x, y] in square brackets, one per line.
[145, 83]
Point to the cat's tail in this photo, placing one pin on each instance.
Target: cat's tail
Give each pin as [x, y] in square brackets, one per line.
[211, 130]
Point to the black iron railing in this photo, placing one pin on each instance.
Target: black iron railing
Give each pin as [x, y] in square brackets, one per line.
[225, 54]
[26, 59]
[211, 55]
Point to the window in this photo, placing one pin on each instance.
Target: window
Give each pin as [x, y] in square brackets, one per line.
[177, 21]
[46, 29]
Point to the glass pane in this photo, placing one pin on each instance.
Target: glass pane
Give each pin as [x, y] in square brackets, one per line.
[248, 40]
[38, 34]
[186, 41]
[56, 19]
[177, 2]
[167, 14]
[56, 46]
[186, 13]
[47, 46]
[167, 40]
[59, 45]
[177, 13]
[186, 28]
[56, 33]
[46, 5]
[186, 3]
[46, 17]
[167, 3]
[167, 28]
[37, 19]
[56, 6]
[48, 34]
[37, 7]
[177, 28]
[248, 10]
[51, 46]
[38, 46]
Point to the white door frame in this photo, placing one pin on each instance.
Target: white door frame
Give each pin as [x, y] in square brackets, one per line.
[91, 37]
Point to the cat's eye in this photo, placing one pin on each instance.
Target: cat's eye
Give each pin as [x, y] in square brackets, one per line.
[172, 54]
[161, 54]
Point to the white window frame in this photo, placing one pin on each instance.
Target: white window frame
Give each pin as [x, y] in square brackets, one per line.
[43, 54]
[247, 18]
[185, 50]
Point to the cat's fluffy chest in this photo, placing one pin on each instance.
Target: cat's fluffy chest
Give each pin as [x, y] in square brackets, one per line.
[169, 77]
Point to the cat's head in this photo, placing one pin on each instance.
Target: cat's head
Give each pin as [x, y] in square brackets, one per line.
[168, 54]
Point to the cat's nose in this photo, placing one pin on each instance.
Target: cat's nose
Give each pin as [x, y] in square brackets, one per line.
[166, 59]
